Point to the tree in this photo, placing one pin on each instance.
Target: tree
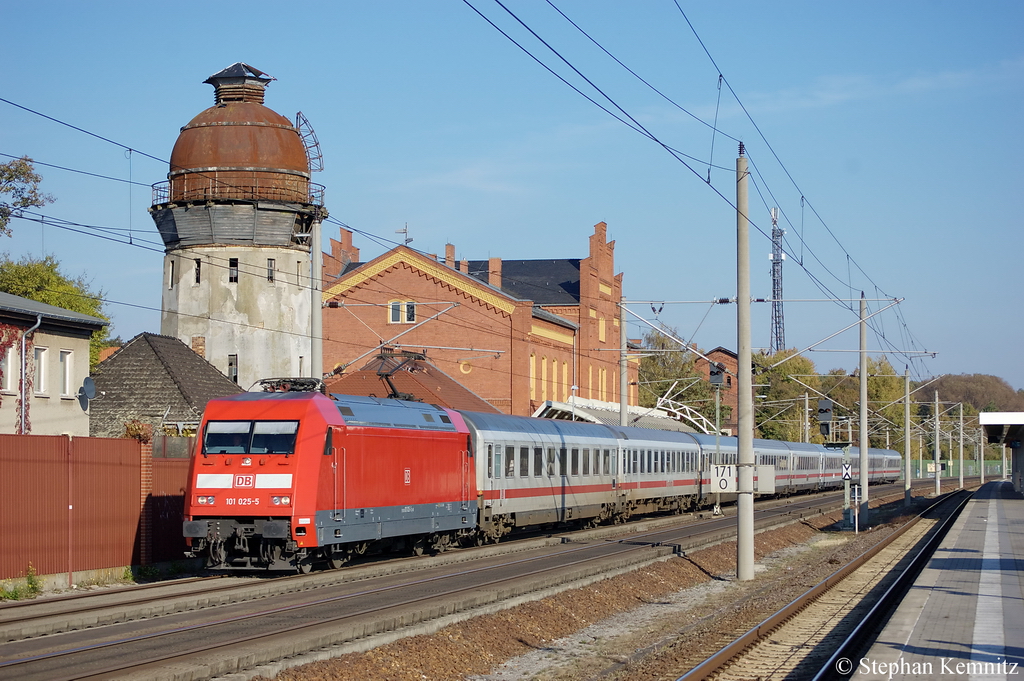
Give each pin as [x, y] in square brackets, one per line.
[844, 391]
[42, 281]
[885, 402]
[980, 391]
[666, 363]
[778, 401]
[19, 180]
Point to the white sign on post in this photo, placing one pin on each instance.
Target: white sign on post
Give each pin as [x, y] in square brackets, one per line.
[847, 471]
[723, 479]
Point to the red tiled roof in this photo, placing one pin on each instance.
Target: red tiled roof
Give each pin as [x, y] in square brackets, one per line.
[416, 376]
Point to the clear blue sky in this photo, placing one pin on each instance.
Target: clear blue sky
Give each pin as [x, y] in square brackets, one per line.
[899, 124]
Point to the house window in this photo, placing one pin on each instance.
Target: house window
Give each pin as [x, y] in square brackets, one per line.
[39, 379]
[66, 377]
[199, 267]
[233, 270]
[270, 270]
[233, 368]
[8, 370]
[402, 312]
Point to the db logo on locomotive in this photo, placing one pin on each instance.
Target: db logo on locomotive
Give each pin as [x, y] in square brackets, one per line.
[245, 481]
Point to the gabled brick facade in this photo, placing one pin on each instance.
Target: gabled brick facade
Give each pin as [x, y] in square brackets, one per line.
[517, 333]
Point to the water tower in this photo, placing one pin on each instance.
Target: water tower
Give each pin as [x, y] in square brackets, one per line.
[237, 217]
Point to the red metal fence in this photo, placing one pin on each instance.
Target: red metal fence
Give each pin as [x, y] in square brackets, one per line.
[70, 504]
[166, 504]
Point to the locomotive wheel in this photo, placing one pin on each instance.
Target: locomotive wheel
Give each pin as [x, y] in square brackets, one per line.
[337, 556]
[303, 562]
[439, 543]
[270, 552]
[419, 546]
[217, 553]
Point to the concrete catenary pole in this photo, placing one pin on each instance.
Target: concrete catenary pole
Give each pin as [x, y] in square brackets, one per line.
[862, 435]
[938, 448]
[745, 401]
[806, 421]
[907, 497]
[961, 445]
[981, 454]
[623, 367]
[316, 311]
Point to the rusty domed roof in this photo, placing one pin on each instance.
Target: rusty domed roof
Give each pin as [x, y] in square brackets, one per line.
[239, 147]
[239, 135]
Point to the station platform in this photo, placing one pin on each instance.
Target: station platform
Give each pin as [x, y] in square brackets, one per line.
[964, 616]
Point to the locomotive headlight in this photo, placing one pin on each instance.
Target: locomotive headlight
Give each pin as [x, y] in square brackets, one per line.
[205, 501]
[275, 500]
[281, 501]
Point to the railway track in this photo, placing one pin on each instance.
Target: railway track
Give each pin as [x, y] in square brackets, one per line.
[830, 622]
[283, 617]
[69, 612]
[234, 635]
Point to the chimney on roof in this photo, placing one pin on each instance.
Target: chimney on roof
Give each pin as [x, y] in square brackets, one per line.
[464, 266]
[449, 255]
[494, 272]
[239, 83]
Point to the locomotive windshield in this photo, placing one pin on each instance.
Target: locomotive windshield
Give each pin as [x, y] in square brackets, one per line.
[250, 437]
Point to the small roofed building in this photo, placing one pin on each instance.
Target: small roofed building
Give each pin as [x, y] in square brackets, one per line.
[154, 383]
[44, 361]
[408, 376]
[1007, 429]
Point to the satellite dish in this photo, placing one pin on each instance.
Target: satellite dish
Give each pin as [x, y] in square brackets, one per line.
[86, 393]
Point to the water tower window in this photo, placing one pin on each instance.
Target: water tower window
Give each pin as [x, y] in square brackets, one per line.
[233, 367]
[270, 270]
[233, 270]
[199, 264]
[170, 274]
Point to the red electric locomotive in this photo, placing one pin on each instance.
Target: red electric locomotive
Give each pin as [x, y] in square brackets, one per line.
[283, 480]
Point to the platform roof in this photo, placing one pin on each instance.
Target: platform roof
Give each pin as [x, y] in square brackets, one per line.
[1003, 427]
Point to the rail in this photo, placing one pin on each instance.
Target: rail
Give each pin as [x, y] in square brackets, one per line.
[720, 659]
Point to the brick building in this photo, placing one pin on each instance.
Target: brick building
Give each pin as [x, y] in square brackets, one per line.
[515, 332]
[730, 388]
